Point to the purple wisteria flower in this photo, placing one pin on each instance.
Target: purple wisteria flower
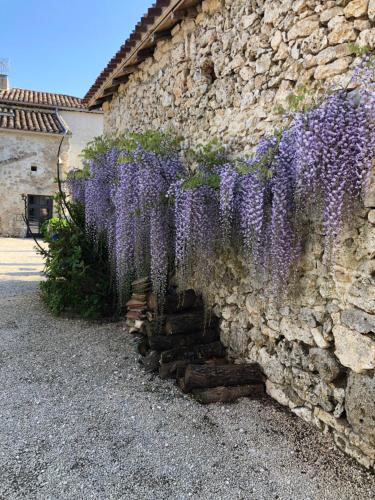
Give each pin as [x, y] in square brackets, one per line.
[154, 220]
[77, 188]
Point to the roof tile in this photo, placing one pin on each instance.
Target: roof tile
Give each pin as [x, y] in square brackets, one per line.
[30, 120]
[37, 98]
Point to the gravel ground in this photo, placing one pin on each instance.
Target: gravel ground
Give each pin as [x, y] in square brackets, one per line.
[81, 419]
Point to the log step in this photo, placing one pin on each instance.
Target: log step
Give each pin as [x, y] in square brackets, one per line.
[202, 376]
[176, 369]
[143, 346]
[170, 370]
[167, 342]
[188, 322]
[223, 394]
[203, 351]
[153, 328]
[151, 361]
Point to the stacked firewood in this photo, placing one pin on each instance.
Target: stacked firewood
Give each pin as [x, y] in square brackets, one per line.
[184, 346]
[137, 305]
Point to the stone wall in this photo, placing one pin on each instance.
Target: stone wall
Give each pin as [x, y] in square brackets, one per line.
[222, 74]
[18, 152]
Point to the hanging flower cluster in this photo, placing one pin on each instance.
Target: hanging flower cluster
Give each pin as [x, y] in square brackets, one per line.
[156, 216]
[196, 215]
[144, 218]
[126, 204]
[321, 161]
[99, 207]
[76, 184]
[334, 146]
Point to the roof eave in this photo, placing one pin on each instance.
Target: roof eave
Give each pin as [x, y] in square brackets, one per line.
[138, 47]
[34, 132]
[12, 102]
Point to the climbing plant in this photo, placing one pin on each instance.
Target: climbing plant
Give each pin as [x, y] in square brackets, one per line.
[159, 210]
[126, 204]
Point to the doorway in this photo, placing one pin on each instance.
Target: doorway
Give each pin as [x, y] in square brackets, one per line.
[39, 208]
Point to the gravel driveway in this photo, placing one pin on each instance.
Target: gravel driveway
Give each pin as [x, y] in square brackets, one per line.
[80, 419]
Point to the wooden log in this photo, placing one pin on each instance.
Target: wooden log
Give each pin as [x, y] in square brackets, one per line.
[149, 328]
[150, 316]
[182, 323]
[135, 304]
[173, 302]
[134, 315]
[143, 346]
[180, 371]
[151, 361]
[152, 303]
[141, 297]
[227, 394]
[141, 281]
[155, 327]
[167, 342]
[198, 376]
[170, 370]
[216, 362]
[203, 351]
[176, 369]
[182, 384]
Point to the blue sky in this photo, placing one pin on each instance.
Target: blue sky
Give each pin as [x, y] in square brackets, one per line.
[62, 45]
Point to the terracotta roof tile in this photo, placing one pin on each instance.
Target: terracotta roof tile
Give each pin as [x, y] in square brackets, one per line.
[29, 120]
[43, 99]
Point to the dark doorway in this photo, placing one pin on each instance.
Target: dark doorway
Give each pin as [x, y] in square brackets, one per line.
[38, 209]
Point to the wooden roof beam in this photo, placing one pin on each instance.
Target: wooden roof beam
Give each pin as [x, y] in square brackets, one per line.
[126, 71]
[144, 54]
[180, 14]
[99, 102]
[110, 90]
[161, 35]
[120, 79]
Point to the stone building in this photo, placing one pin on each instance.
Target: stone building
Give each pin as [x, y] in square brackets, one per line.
[219, 68]
[32, 125]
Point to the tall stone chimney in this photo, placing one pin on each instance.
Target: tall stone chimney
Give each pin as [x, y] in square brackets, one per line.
[4, 80]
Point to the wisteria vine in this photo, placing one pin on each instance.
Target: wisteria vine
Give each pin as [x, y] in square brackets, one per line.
[157, 216]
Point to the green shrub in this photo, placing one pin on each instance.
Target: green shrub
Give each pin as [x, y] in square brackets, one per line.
[77, 270]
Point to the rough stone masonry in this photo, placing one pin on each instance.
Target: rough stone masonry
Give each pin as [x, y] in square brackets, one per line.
[222, 75]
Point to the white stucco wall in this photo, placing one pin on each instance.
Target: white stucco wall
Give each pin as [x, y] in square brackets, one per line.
[84, 126]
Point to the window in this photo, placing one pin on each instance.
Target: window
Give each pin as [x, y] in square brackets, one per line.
[34, 168]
